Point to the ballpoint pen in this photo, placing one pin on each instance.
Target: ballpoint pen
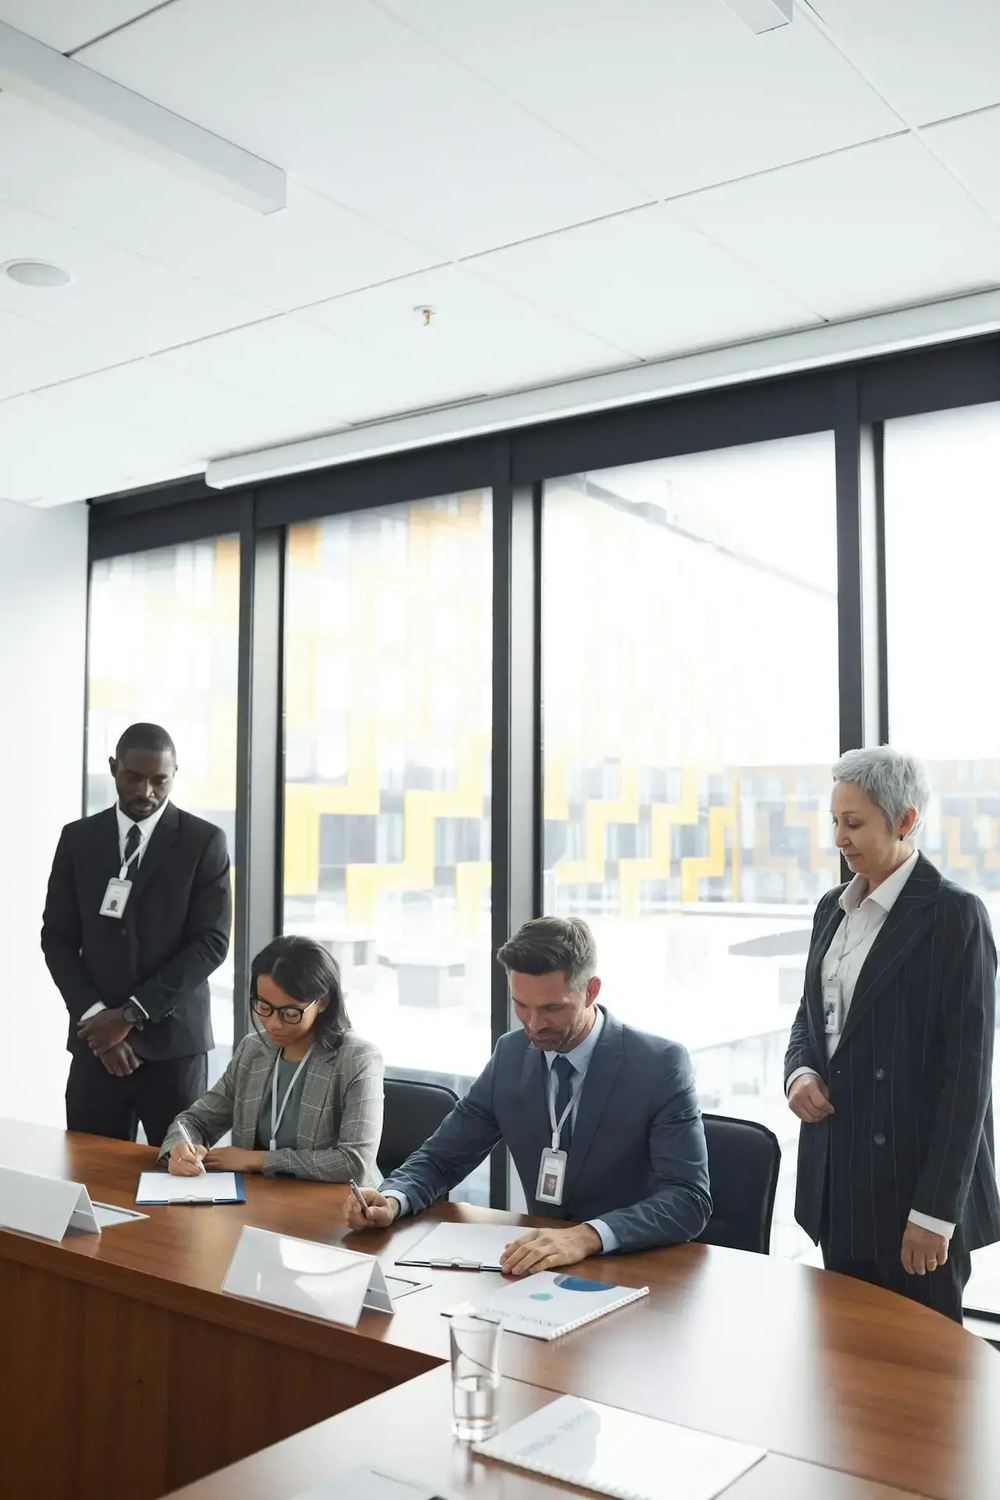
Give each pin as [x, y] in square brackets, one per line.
[187, 1136]
[358, 1195]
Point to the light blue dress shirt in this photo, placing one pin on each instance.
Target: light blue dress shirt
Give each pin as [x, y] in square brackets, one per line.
[580, 1058]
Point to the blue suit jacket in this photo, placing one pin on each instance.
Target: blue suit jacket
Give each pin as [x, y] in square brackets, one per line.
[637, 1156]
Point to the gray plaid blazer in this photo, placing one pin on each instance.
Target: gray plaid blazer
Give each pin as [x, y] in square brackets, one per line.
[340, 1121]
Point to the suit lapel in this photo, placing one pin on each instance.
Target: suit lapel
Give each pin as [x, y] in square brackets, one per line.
[256, 1077]
[534, 1084]
[814, 963]
[108, 844]
[316, 1084]
[605, 1065]
[162, 838]
[911, 917]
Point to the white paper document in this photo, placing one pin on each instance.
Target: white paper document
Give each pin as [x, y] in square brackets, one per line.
[45, 1206]
[213, 1187]
[466, 1247]
[107, 1214]
[622, 1454]
[369, 1484]
[549, 1303]
[322, 1281]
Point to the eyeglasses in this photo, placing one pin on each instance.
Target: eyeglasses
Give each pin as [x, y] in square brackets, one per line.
[288, 1015]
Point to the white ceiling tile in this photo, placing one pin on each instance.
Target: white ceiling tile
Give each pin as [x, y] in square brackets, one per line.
[646, 282]
[930, 58]
[970, 148]
[66, 24]
[481, 338]
[352, 102]
[881, 226]
[119, 299]
[33, 355]
[182, 412]
[311, 250]
[284, 359]
[675, 94]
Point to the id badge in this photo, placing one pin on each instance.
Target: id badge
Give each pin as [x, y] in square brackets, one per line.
[833, 1008]
[116, 898]
[551, 1176]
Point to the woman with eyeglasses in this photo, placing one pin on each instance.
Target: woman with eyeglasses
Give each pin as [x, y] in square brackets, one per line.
[303, 1092]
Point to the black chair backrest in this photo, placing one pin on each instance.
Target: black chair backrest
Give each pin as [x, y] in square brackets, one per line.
[413, 1111]
[743, 1162]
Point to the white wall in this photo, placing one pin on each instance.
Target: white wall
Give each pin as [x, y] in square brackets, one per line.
[43, 619]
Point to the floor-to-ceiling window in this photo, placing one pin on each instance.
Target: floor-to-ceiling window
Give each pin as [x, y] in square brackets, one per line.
[942, 541]
[388, 727]
[163, 649]
[690, 691]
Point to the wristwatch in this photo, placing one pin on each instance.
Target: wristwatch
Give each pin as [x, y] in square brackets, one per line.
[134, 1014]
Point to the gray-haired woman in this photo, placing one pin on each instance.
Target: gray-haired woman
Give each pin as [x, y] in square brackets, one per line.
[889, 1064]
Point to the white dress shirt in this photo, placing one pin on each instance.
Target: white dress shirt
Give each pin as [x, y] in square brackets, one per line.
[125, 826]
[580, 1058]
[864, 913]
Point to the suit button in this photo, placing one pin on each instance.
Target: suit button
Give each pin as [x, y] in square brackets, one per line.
[879, 1074]
[879, 1139]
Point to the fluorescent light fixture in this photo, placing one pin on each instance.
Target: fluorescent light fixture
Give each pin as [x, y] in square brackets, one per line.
[33, 71]
[783, 354]
[762, 15]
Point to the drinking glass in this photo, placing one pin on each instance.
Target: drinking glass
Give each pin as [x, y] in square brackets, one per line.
[475, 1377]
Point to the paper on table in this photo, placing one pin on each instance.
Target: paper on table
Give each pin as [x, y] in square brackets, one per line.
[469, 1246]
[161, 1187]
[109, 1213]
[369, 1484]
[622, 1454]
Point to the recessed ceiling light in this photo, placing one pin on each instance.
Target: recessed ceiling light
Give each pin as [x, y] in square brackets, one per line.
[37, 273]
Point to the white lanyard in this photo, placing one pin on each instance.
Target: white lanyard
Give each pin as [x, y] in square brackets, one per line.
[123, 872]
[558, 1125]
[845, 951]
[276, 1113]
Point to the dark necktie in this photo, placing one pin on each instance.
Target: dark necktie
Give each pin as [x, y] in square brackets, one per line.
[131, 845]
[564, 1070]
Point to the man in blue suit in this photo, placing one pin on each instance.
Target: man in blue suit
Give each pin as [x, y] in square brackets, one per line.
[602, 1121]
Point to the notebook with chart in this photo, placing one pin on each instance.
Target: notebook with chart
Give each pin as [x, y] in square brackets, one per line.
[621, 1454]
[213, 1187]
[551, 1303]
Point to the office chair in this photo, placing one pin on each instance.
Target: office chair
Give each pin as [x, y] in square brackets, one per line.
[743, 1162]
[413, 1111]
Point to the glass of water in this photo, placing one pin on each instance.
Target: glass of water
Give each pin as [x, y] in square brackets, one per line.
[475, 1378]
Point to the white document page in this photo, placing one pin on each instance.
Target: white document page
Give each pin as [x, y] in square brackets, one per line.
[622, 1454]
[161, 1187]
[463, 1246]
[369, 1484]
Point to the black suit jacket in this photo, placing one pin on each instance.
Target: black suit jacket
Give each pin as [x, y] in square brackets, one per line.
[174, 933]
[910, 1082]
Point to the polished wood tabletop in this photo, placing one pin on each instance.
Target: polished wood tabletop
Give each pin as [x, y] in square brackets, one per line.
[815, 1367]
[407, 1433]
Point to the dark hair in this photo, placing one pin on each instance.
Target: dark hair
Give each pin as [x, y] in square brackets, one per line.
[552, 945]
[307, 972]
[146, 737]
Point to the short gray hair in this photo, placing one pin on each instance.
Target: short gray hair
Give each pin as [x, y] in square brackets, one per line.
[553, 945]
[891, 779]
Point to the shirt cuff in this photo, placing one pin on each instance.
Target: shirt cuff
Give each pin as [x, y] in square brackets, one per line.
[936, 1226]
[800, 1073]
[401, 1199]
[93, 1011]
[139, 1006]
[609, 1240]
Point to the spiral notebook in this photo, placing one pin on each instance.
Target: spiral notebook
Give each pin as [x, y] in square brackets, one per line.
[621, 1454]
[550, 1303]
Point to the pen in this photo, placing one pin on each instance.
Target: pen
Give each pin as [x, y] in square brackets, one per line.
[187, 1136]
[357, 1193]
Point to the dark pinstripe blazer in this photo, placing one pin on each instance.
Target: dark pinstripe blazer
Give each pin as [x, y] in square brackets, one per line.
[910, 1082]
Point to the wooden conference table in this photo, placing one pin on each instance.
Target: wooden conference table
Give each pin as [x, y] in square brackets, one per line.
[125, 1373]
